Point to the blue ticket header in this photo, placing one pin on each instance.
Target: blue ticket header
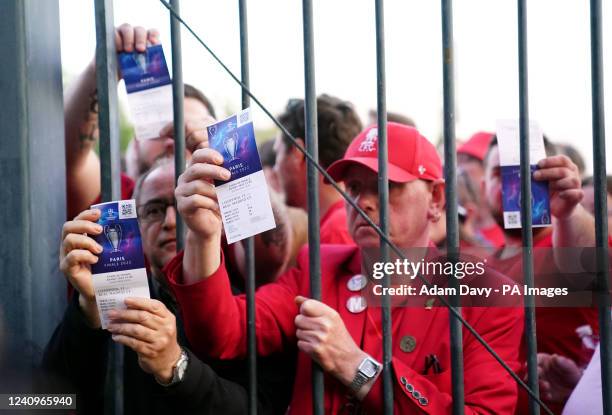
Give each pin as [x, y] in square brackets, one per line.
[145, 70]
[120, 238]
[234, 138]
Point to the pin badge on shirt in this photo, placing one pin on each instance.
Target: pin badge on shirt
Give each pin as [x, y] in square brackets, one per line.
[356, 304]
[407, 344]
[357, 282]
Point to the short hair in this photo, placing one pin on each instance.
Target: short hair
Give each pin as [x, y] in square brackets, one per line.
[549, 148]
[394, 117]
[337, 120]
[193, 92]
[159, 162]
[589, 181]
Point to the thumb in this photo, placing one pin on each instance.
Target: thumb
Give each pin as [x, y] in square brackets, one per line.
[299, 300]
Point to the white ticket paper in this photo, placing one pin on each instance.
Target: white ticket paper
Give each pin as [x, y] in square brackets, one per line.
[120, 271]
[244, 199]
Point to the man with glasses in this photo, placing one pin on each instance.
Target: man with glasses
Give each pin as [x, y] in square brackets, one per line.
[161, 375]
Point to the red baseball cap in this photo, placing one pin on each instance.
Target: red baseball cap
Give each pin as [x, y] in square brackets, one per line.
[411, 156]
[477, 145]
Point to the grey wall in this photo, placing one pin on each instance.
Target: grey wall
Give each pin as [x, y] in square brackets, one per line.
[32, 177]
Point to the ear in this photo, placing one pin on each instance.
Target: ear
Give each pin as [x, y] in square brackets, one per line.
[437, 201]
[296, 154]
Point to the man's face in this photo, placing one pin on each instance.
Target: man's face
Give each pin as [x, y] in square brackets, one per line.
[150, 150]
[290, 173]
[589, 204]
[493, 185]
[411, 209]
[157, 216]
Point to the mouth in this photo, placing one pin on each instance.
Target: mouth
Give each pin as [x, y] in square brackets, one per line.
[167, 243]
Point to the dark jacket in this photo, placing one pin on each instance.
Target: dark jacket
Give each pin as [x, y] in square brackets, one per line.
[79, 355]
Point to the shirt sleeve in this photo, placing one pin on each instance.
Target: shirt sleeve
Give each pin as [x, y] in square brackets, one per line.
[488, 387]
[215, 320]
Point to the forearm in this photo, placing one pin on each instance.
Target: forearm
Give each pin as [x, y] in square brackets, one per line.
[202, 257]
[577, 230]
[81, 134]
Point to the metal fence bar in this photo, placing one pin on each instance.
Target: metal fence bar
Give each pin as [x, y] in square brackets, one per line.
[312, 147]
[178, 97]
[601, 208]
[110, 156]
[452, 215]
[312, 161]
[529, 302]
[383, 195]
[249, 243]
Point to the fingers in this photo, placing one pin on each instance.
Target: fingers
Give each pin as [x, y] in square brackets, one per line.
[152, 306]
[74, 241]
[553, 173]
[135, 331]
[78, 257]
[312, 308]
[574, 196]
[136, 316]
[208, 156]
[153, 36]
[190, 204]
[196, 136]
[91, 215]
[80, 227]
[140, 38]
[202, 171]
[566, 183]
[196, 187]
[310, 323]
[126, 38]
[557, 161]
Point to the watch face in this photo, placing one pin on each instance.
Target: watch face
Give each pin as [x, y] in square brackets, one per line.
[369, 368]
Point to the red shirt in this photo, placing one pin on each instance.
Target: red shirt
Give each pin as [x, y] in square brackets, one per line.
[127, 189]
[215, 325]
[333, 227]
[495, 235]
[555, 326]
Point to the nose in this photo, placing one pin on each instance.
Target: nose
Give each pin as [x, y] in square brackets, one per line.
[168, 145]
[367, 201]
[170, 218]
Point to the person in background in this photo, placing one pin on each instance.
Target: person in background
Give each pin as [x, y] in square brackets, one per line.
[341, 333]
[337, 124]
[589, 198]
[391, 117]
[161, 375]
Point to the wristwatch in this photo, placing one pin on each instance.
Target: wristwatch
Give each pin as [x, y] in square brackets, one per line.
[367, 370]
[178, 371]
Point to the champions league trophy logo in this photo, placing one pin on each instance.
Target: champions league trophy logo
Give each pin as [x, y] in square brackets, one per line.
[230, 143]
[113, 234]
[141, 60]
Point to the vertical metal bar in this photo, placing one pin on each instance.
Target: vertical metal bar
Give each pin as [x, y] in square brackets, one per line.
[249, 244]
[178, 97]
[601, 208]
[312, 146]
[452, 216]
[383, 195]
[530, 324]
[106, 78]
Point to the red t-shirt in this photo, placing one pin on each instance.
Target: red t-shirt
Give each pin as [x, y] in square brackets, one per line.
[333, 227]
[494, 234]
[127, 189]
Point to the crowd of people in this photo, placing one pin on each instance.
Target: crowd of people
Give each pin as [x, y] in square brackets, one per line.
[185, 348]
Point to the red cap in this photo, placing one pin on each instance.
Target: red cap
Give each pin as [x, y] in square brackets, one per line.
[411, 156]
[477, 145]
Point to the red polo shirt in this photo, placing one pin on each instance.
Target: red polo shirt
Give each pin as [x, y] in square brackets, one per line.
[333, 226]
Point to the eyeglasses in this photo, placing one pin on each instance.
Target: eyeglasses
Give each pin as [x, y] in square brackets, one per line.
[155, 210]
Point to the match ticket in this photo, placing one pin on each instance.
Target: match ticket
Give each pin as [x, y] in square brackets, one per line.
[508, 138]
[149, 89]
[244, 199]
[120, 271]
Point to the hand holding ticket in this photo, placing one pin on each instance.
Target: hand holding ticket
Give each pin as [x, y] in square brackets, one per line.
[120, 270]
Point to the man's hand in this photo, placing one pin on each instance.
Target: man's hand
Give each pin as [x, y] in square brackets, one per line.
[558, 377]
[195, 193]
[564, 184]
[77, 254]
[148, 328]
[196, 136]
[322, 335]
[130, 39]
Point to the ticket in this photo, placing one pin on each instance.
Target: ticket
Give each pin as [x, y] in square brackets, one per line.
[120, 271]
[244, 199]
[149, 89]
[508, 140]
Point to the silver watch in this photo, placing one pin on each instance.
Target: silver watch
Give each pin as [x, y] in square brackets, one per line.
[179, 369]
[367, 370]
